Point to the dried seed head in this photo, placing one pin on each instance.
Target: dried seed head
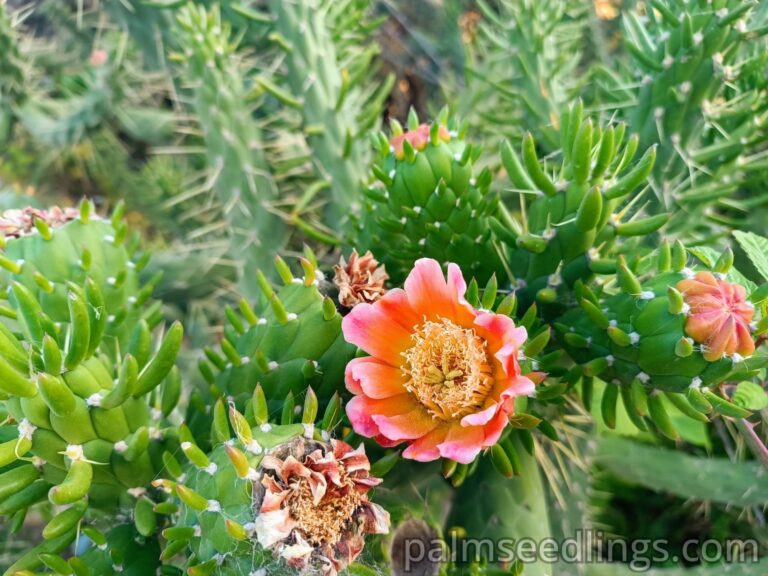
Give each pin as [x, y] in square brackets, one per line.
[361, 279]
[313, 507]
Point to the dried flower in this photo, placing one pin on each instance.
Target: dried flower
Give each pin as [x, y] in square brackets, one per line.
[21, 222]
[361, 279]
[314, 510]
[719, 316]
[442, 376]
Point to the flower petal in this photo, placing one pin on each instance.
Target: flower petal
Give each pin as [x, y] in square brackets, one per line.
[482, 417]
[462, 444]
[410, 426]
[433, 297]
[373, 378]
[494, 428]
[370, 328]
[361, 409]
[272, 527]
[425, 449]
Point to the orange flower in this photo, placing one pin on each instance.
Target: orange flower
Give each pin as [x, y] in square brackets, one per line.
[442, 376]
[418, 138]
[719, 316]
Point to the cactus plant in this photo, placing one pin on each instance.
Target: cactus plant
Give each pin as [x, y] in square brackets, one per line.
[88, 427]
[520, 66]
[338, 108]
[238, 171]
[431, 202]
[12, 90]
[677, 334]
[696, 97]
[555, 239]
[291, 342]
[301, 497]
[43, 250]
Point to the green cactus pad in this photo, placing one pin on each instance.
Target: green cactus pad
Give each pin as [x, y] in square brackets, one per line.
[431, 202]
[657, 350]
[292, 343]
[43, 250]
[85, 427]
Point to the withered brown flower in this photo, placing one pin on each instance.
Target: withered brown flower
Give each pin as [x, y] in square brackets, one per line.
[361, 279]
[314, 510]
[20, 222]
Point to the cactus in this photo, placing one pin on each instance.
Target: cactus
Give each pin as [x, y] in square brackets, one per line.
[431, 202]
[238, 171]
[250, 488]
[291, 343]
[12, 90]
[554, 241]
[122, 550]
[84, 423]
[522, 59]
[43, 250]
[697, 97]
[337, 107]
[709, 479]
[86, 417]
[648, 340]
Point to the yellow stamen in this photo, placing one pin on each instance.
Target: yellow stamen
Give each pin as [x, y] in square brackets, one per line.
[448, 369]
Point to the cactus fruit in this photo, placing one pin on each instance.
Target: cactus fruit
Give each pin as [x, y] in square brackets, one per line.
[88, 427]
[553, 242]
[431, 202]
[43, 250]
[294, 341]
[680, 332]
[302, 498]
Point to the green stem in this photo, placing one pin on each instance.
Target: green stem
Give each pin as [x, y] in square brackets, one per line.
[490, 506]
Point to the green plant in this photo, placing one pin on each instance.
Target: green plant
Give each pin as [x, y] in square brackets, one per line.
[86, 420]
[237, 170]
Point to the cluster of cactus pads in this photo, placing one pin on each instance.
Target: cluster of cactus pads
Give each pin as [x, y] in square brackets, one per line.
[86, 386]
[264, 467]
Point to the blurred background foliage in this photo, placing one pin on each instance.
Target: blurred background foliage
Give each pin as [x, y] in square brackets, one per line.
[212, 120]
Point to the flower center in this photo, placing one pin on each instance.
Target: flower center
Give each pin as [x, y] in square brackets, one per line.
[323, 523]
[448, 369]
